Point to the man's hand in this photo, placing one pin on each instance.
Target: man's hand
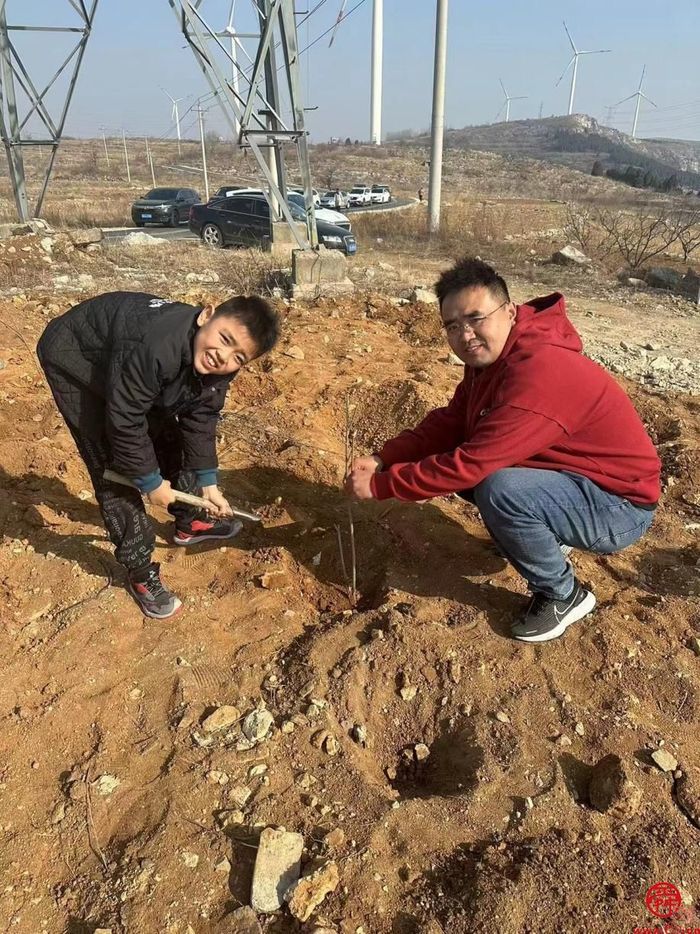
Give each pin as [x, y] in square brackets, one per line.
[358, 482]
[162, 495]
[219, 504]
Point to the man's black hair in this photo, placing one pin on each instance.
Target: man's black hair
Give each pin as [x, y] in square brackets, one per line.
[467, 273]
[258, 317]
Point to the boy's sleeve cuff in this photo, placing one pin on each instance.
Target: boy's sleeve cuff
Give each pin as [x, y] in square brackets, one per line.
[149, 483]
[207, 477]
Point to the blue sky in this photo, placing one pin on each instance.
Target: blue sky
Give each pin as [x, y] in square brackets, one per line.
[136, 49]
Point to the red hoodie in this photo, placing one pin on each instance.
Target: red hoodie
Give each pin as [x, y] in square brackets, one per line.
[542, 404]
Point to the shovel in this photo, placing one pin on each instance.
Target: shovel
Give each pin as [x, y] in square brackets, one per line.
[181, 497]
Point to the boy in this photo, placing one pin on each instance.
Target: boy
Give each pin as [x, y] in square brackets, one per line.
[539, 437]
[140, 382]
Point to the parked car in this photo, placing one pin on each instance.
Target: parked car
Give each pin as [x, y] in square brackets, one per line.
[300, 191]
[335, 199]
[165, 206]
[227, 190]
[322, 214]
[381, 194]
[244, 220]
[360, 194]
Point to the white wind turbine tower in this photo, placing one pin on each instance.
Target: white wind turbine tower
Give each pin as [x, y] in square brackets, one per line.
[574, 62]
[230, 32]
[507, 101]
[639, 94]
[175, 115]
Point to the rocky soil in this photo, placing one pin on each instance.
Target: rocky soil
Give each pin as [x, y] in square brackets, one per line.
[431, 775]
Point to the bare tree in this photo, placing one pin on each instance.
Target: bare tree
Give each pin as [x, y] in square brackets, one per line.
[638, 236]
[687, 224]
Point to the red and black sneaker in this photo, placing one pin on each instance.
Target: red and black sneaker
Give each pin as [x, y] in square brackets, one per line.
[153, 597]
[200, 531]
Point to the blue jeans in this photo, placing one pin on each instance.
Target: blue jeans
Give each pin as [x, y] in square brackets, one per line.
[530, 513]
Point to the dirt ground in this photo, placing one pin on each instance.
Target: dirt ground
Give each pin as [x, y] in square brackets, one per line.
[120, 811]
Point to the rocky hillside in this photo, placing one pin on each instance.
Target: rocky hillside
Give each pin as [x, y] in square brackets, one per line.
[577, 141]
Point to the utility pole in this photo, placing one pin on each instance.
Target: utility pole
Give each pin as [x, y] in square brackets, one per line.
[149, 158]
[104, 140]
[375, 132]
[437, 130]
[200, 114]
[126, 156]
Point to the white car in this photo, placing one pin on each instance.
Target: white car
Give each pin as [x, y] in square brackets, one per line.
[300, 191]
[322, 214]
[334, 199]
[381, 194]
[360, 194]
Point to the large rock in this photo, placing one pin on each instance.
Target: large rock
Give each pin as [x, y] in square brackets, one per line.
[84, 236]
[277, 868]
[659, 277]
[221, 719]
[139, 238]
[611, 789]
[570, 256]
[427, 296]
[309, 892]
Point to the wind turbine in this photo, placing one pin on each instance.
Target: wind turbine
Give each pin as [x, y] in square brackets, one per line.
[230, 32]
[574, 62]
[175, 115]
[639, 94]
[507, 101]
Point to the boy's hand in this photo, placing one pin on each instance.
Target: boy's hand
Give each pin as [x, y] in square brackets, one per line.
[219, 504]
[162, 495]
[371, 463]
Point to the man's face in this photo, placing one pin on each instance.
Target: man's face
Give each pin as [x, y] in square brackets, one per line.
[477, 325]
[222, 345]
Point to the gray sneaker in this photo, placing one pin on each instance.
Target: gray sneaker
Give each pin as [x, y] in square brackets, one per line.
[153, 597]
[547, 619]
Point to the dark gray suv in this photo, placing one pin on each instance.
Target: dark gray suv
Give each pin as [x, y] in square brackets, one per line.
[168, 207]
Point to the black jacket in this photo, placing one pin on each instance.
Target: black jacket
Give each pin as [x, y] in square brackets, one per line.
[134, 351]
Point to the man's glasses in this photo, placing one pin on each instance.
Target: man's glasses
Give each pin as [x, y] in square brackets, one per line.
[470, 322]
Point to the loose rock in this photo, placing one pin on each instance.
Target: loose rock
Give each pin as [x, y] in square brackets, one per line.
[222, 718]
[277, 867]
[611, 789]
[664, 760]
[257, 725]
[244, 921]
[570, 256]
[421, 751]
[687, 790]
[308, 893]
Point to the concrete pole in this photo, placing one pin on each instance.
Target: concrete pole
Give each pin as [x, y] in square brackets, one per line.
[438, 121]
[104, 140]
[200, 112]
[126, 157]
[573, 84]
[177, 127]
[375, 131]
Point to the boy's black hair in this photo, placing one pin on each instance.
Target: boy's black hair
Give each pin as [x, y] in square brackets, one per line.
[467, 273]
[258, 317]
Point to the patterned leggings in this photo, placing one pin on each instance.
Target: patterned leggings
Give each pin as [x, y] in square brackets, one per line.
[129, 528]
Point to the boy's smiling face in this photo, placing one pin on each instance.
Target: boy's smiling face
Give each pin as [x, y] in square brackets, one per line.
[222, 345]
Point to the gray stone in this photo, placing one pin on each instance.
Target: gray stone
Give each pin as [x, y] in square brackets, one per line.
[257, 725]
[139, 238]
[610, 788]
[570, 256]
[665, 760]
[277, 867]
[427, 296]
[84, 236]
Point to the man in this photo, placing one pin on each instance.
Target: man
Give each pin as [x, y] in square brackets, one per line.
[540, 438]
